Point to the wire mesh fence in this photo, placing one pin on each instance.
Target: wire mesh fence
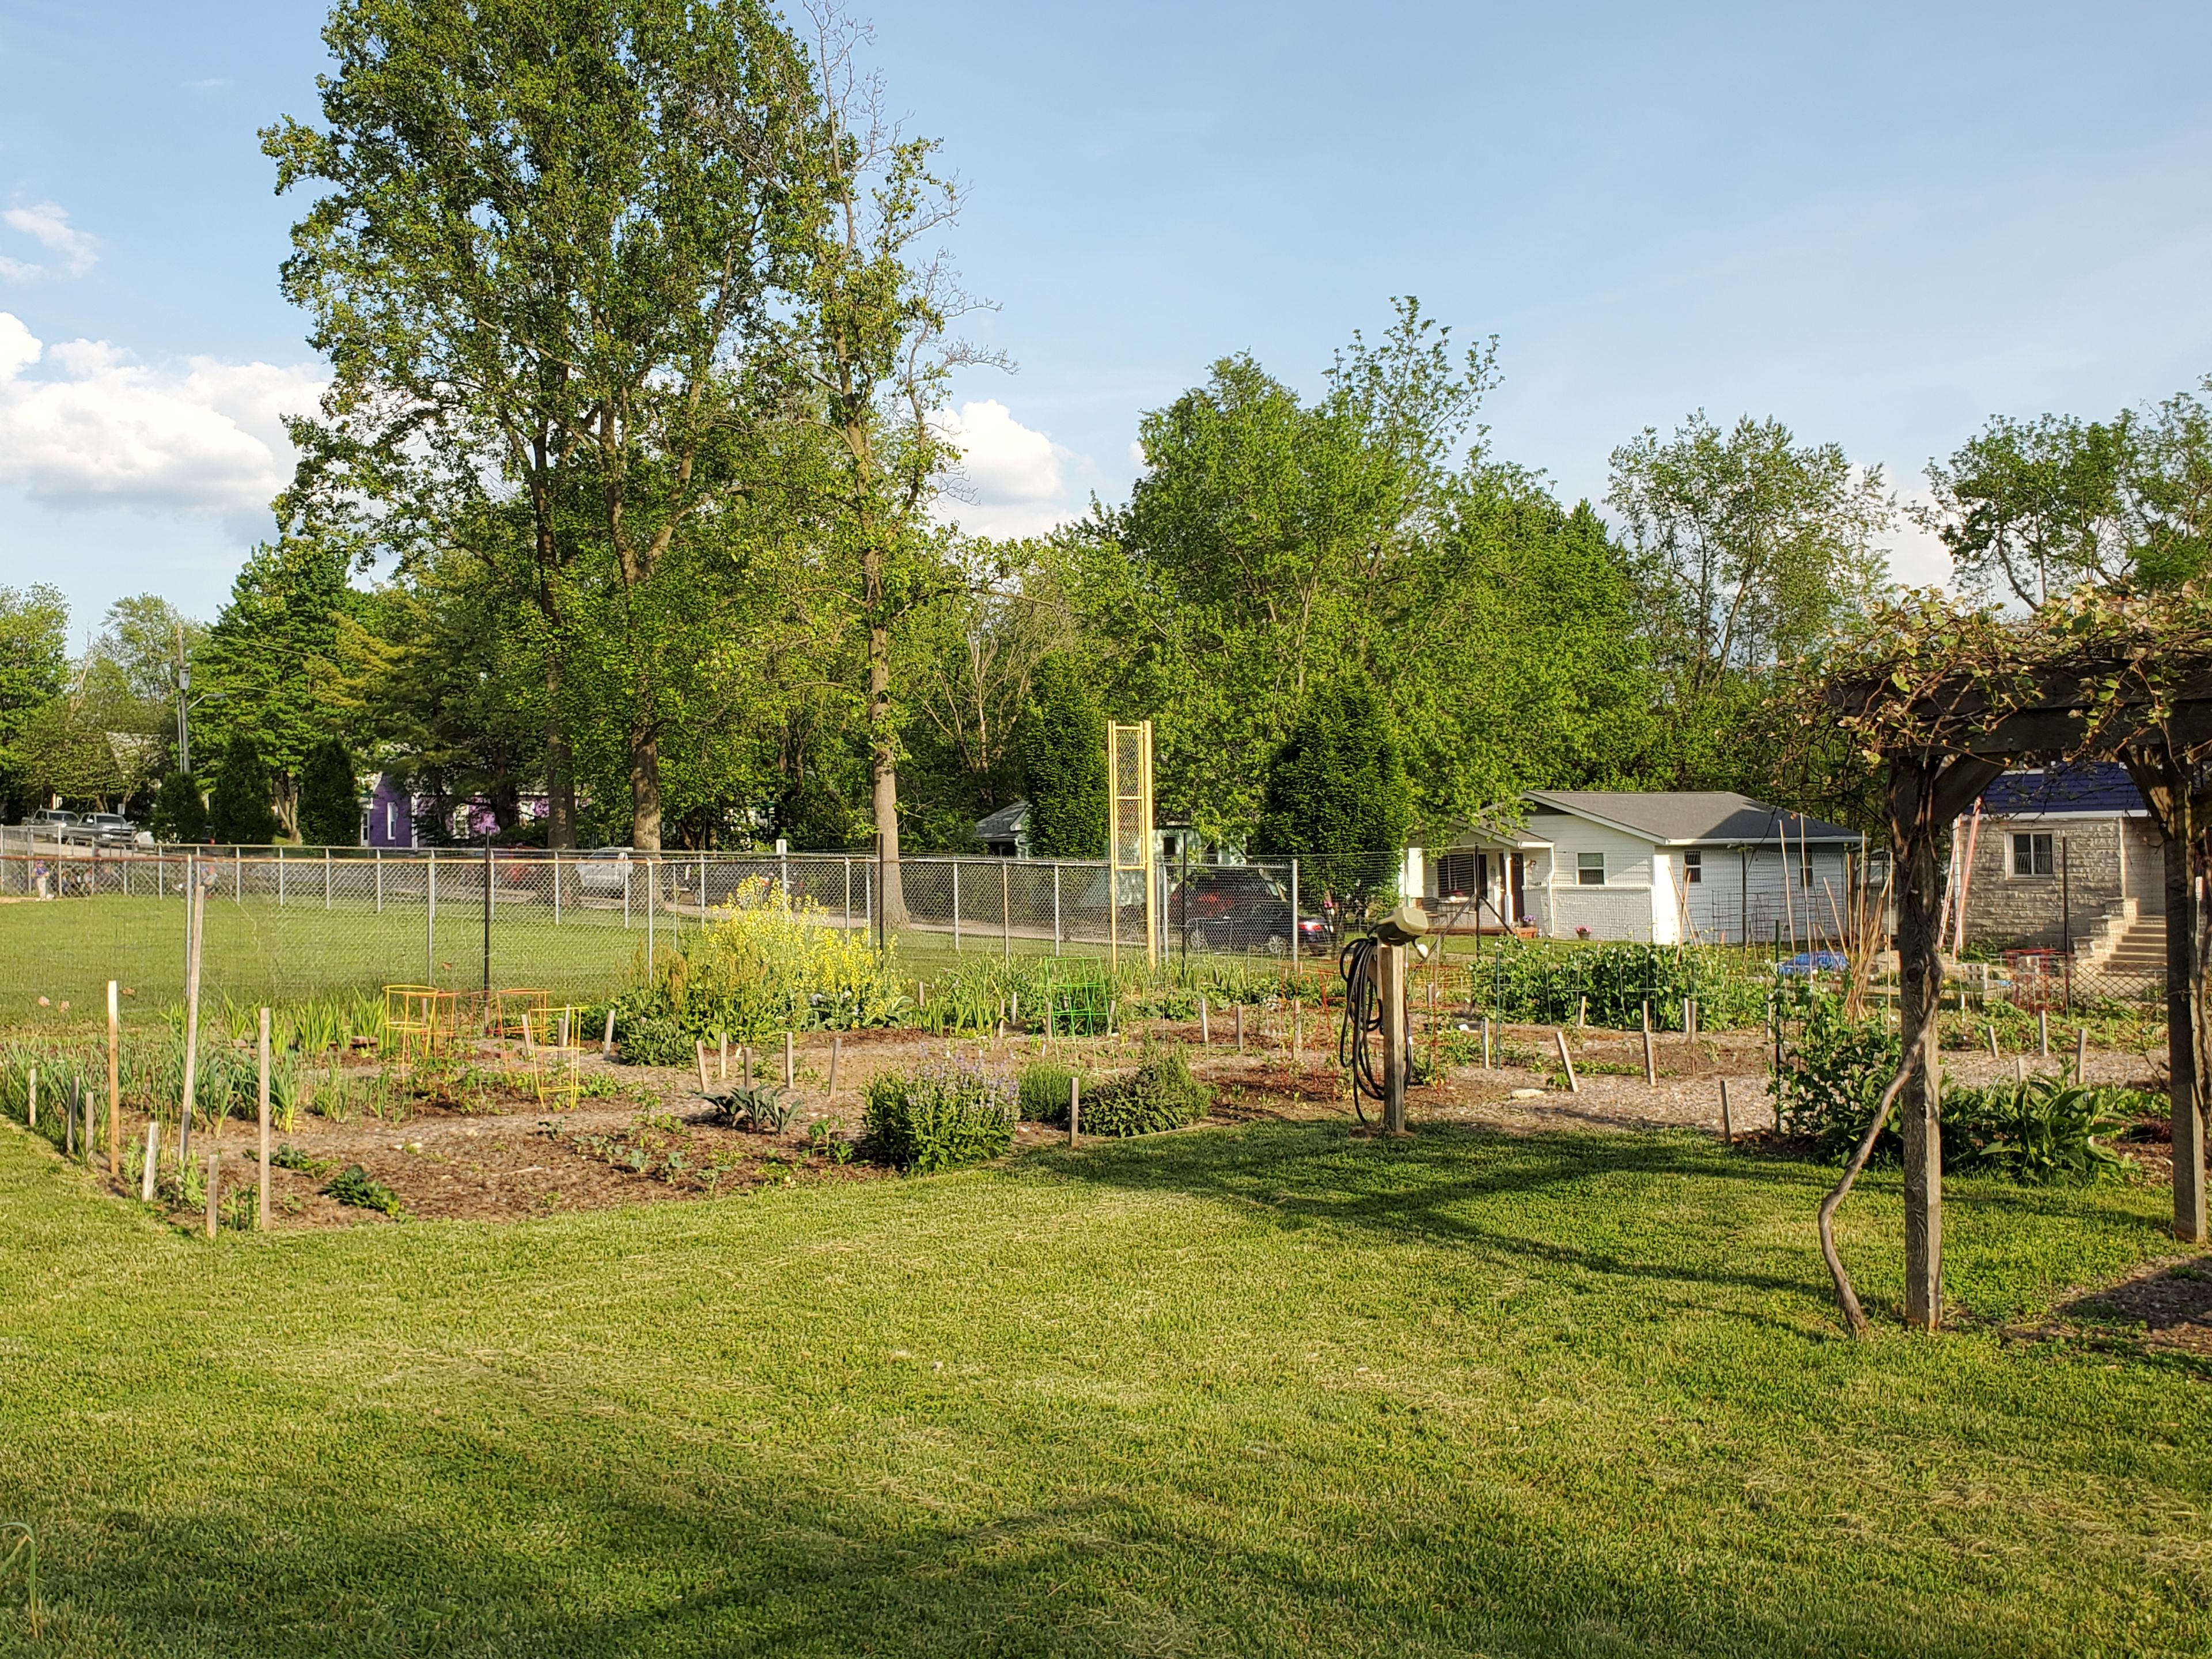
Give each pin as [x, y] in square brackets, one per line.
[286, 923]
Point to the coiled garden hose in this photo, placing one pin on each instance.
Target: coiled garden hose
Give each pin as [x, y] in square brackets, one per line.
[1363, 1020]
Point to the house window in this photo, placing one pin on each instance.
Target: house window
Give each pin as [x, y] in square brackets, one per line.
[1455, 875]
[1589, 869]
[2031, 855]
[1694, 867]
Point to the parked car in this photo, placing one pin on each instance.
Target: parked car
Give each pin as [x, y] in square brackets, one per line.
[604, 870]
[107, 830]
[1239, 907]
[51, 821]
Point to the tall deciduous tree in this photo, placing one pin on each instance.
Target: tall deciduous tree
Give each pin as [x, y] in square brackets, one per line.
[33, 668]
[2030, 508]
[548, 242]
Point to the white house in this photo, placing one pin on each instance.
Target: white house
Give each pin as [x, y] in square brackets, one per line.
[1709, 867]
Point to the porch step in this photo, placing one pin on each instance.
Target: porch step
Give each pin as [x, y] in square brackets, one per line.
[2141, 950]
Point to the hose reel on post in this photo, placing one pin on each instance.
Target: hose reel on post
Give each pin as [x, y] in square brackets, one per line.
[1374, 969]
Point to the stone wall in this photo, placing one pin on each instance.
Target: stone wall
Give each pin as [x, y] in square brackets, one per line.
[2106, 860]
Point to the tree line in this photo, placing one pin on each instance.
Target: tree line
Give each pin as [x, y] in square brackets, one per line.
[630, 514]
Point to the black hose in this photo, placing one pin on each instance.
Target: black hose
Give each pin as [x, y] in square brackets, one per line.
[1362, 1021]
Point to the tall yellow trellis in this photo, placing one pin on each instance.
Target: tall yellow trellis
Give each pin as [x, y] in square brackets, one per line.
[1129, 840]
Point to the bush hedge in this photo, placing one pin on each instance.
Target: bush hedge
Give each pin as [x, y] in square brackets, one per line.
[940, 1116]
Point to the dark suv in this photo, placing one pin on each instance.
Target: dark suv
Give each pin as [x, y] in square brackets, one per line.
[1238, 906]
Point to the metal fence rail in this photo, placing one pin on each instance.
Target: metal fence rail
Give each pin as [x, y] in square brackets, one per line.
[287, 922]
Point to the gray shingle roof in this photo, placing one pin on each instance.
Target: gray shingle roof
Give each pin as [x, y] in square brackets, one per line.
[1004, 824]
[1677, 816]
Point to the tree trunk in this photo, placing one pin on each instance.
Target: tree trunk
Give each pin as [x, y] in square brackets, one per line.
[560, 767]
[645, 789]
[883, 741]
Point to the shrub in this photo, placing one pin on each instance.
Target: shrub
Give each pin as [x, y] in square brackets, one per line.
[1832, 1078]
[940, 1117]
[1547, 983]
[179, 812]
[1160, 1094]
[771, 964]
[238, 807]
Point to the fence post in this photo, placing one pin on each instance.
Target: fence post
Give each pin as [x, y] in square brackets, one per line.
[326, 879]
[625, 870]
[1005, 913]
[956, 904]
[1056, 907]
[557, 887]
[379, 881]
[238, 874]
[849, 893]
[1294, 917]
[280, 875]
[430, 923]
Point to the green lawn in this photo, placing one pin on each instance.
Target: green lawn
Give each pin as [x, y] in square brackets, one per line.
[1257, 1391]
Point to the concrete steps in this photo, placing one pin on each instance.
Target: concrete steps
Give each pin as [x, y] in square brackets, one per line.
[2141, 950]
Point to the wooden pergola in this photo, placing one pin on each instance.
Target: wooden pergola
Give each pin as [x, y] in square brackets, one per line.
[1948, 703]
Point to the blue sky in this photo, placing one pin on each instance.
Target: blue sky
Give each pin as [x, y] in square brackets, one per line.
[1879, 224]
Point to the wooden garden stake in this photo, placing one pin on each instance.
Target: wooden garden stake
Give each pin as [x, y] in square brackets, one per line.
[1074, 1111]
[787, 1072]
[722, 1071]
[1240, 1027]
[115, 1085]
[2043, 1033]
[1651, 1066]
[261, 1203]
[1728, 1129]
[1485, 1044]
[1689, 1023]
[836, 1047]
[2020, 1068]
[1993, 1041]
[2081, 1056]
[153, 1158]
[607, 1041]
[1205, 1026]
[745, 1055]
[1581, 1011]
[1565, 1063]
[699, 1053]
[214, 1186]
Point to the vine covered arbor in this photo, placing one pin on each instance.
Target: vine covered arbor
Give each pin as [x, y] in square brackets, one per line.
[1945, 701]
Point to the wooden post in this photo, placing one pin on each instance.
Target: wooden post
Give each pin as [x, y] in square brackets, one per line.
[699, 1053]
[1650, 1064]
[153, 1160]
[1390, 961]
[1581, 1011]
[836, 1048]
[1204, 1025]
[607, 1041]
[1993, 1041]
[261, 1202]
[114, 1081]
[196, 919]
[722, 1066]
[1074, 1111]
[1240, 1027]
[745, 1055]
[1485, 1044]
[1922, 796]
[1689, 1026]
[1566, 1063]
[2043, 1033]
[788, 1074]
[214, 1186]
[1727, 1128]
[2081, 1056]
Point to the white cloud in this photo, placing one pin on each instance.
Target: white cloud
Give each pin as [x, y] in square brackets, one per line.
[1918, 557]
[48, 225]
[1014, 478]
[201, 436]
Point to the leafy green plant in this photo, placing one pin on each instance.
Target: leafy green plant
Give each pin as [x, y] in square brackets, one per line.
[241, 1207]
[1833, 1072]
[1042, 1091]
[940, 1116]
[288, 1157]
[766, 1110]
[1552, 982]
[356, 1186]
[1160, 1094]
[2041, 1131]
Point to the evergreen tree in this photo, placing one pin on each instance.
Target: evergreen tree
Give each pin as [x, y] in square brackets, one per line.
[330, 800]
[238, 812]
[179, 813]
[1063, 752]
[1336, 798]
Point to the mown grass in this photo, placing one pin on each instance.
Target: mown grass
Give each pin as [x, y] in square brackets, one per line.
[1261, 1391]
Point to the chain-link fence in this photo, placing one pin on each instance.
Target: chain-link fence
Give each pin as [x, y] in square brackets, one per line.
[285, 923]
